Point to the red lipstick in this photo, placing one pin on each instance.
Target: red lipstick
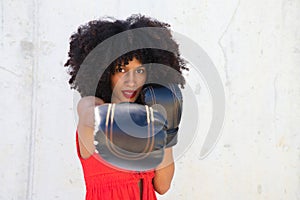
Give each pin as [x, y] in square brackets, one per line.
[129, 94]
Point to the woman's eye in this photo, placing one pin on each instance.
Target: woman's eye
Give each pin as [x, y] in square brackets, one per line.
[120, 70]
[140, 71]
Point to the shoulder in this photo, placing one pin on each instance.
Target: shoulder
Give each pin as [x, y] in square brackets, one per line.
[87, 102]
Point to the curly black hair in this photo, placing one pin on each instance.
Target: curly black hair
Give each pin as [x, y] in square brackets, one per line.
[161, 50]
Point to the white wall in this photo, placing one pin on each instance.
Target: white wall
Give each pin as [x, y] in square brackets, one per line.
[255, 46]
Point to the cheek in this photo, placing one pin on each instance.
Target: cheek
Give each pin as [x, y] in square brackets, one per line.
[143, 79]
[114, 81]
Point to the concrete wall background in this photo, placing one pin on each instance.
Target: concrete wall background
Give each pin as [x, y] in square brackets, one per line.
[255, 46]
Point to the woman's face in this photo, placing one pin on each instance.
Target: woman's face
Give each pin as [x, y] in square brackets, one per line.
[127, 81]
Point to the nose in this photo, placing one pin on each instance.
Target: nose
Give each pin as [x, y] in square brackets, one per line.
[130, 78]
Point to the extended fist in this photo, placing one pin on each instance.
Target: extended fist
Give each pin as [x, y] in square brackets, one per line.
[130, 136]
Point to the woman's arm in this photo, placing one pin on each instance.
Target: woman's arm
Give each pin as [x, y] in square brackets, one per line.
[164, 173]
[85, 127]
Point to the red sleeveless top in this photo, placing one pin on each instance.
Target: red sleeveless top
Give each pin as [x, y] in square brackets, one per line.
[104, 182]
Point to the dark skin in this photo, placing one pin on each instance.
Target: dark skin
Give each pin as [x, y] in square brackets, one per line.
[163, 173]
[132, 77]
[90, 35]
[84, 40]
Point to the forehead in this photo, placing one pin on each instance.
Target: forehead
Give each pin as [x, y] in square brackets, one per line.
[134, 63]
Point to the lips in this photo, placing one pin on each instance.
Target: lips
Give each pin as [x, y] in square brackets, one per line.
[129, 94]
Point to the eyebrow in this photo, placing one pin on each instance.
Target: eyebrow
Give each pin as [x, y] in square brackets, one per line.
[127, 65]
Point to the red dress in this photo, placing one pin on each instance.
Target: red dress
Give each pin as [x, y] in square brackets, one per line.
[108, 183]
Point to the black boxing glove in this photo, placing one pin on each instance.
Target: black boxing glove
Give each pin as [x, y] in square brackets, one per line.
[170, 98]
[130, 136]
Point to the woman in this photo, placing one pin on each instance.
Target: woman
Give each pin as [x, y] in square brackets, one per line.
[121, 81]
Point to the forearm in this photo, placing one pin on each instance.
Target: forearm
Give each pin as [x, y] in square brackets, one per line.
[164, 173]
[85, 127]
